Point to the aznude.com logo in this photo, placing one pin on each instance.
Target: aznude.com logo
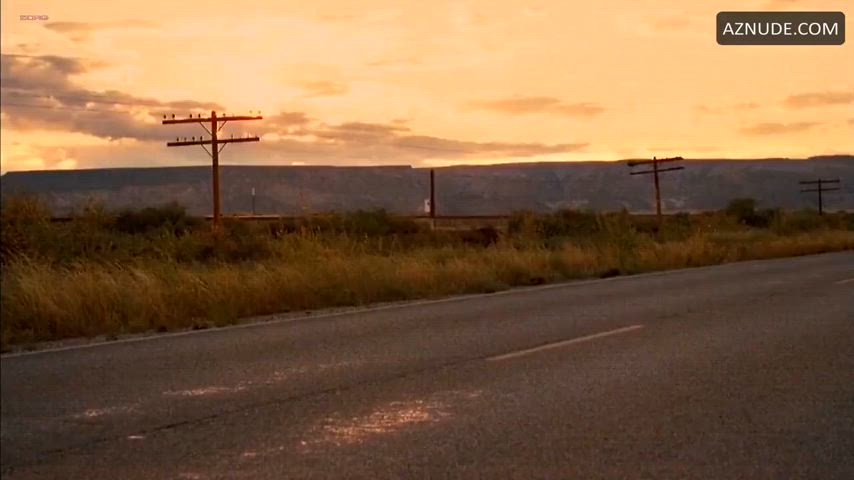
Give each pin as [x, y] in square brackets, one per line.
[781, 28]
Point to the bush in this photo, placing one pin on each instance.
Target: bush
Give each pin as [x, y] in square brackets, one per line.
[230, 245]
[676, 227]
[743, 210]
[24, 225]
[377, 222]
[47, 302]
[170, 217]
[565, 223]
[482, 237]
[764, 218]
[801, 221]
[361, 223]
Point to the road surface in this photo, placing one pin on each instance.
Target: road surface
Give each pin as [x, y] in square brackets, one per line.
[736, 371]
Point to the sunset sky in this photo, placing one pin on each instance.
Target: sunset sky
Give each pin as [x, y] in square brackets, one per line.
[413, 82]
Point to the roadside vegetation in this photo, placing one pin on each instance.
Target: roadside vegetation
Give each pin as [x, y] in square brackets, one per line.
[158, 269]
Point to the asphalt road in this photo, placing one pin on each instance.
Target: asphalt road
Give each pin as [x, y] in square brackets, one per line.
[738, 371]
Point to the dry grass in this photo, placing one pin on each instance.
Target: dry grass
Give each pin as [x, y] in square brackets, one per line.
[47, 301]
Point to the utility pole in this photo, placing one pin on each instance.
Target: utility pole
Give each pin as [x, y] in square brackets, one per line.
[217, 144]
[820, 188]
[253, 200]
[432, 194]
[655, 171]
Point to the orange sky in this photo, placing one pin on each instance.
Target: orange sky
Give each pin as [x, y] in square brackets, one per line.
[413, 82]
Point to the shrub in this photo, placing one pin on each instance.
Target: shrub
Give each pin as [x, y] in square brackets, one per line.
[522, 224]
[483, 237]
[764, 218]
[24, 225]
[377, 222]
[801, 221]
[743, 210]
[236, 241]
[360, 222]
[170, 217]
[676, 227]
[74, 278]
[564, 223]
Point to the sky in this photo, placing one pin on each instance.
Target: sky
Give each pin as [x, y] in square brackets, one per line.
[421, 83]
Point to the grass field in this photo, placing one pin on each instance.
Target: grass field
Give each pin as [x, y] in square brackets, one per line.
[110, 273]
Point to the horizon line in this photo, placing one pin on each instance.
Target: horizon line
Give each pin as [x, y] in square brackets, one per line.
[707, 159]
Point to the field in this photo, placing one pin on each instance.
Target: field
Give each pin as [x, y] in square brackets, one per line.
[157, 269]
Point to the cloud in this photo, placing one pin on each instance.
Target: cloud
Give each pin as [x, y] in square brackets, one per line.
[520, 105]
[323, 88]
[287, 119]
[770, 128]
[336, 17]
[719, 110]
[38, 94]
[683, 149]
[773, 4]
[799, 101]
[708, 109]
[40, 72]
[361, 143]
[349, 131]
[50, 76]
[80, 31]
[391, 62]
[672, 22]
[746, 106]
[498, 149]
[819, 99]
[399, 139]
[677, 23]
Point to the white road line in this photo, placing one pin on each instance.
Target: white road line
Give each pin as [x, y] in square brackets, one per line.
[842, 282]
[527, 351]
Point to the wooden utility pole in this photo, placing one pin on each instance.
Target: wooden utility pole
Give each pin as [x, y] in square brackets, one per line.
[432, 199]
[432, 193]
[216, 143]
[655, 171]
[820, 188]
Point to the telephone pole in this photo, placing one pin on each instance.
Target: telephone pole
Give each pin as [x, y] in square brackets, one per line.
[820, 188]
[432, 199]
[655, 171]
[216, 143]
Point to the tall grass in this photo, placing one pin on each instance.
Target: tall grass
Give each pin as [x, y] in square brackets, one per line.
[155, 279]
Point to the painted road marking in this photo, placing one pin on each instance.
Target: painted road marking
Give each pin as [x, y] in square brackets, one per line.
[549, 346]
[842, 282]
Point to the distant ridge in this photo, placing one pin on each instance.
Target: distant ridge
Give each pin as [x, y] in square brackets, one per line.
[462, 189]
